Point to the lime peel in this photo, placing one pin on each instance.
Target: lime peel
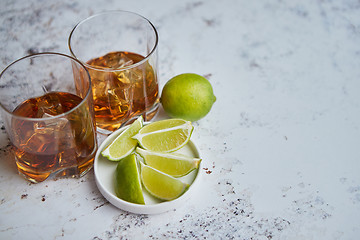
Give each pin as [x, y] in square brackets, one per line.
[164, 130]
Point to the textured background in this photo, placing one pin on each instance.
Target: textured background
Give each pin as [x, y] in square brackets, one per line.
[280, 146]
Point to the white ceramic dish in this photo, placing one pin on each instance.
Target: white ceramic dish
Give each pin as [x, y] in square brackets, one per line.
[105, 177]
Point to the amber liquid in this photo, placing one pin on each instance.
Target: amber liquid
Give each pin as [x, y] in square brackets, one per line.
[122, 91]
[63, 146]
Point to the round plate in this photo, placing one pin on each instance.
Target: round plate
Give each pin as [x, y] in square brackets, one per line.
[105, 177]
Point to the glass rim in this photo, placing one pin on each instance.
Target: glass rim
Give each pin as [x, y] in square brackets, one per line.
[146, 58]
[88, 93]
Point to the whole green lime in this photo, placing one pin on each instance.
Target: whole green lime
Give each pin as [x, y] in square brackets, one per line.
[188, 96]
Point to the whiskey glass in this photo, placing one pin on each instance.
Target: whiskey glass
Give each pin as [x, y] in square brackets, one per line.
[46, 105]
[119, 49]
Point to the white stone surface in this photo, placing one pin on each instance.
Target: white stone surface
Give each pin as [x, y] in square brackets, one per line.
[281, 141]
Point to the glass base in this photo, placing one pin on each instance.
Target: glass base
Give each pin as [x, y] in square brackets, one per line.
[150, 114]
[69, 172]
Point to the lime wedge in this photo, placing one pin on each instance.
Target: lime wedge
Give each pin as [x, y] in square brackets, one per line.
[161, 185]
[124, 144]
[174, 164]
[127, 180]
[165, 136]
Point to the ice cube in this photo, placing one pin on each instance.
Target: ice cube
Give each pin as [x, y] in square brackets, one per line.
[137, 75]
[124, 63]
[99, 89]
[123, 77]
[50, 126]
[38, 142]
[51, 104]
[113, 60]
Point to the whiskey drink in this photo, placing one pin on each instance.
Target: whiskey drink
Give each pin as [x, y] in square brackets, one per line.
[119, 50]
[47, 108]
[63, 145]
[124, 85]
